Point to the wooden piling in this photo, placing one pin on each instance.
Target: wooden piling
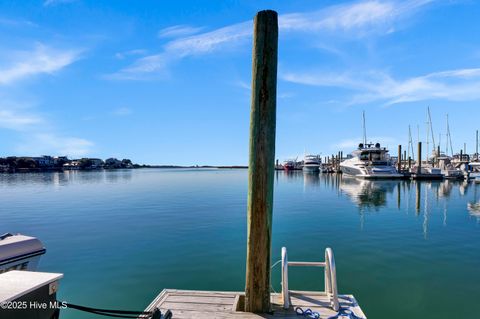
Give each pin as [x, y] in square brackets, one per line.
[419, 164]
[399, 164]
[261, 163]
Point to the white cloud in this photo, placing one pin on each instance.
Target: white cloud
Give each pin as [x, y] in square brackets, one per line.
[122, 111]
[41, 59]
[453, 85]
[14, 120]
[48, 143]
[178, 31]
[358, 17]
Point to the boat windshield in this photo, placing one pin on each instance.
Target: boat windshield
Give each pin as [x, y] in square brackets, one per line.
[374, 156]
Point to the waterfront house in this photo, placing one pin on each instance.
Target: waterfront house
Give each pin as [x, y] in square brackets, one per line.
[43, 161]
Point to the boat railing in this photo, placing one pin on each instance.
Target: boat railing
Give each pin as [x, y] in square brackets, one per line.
[330, 277]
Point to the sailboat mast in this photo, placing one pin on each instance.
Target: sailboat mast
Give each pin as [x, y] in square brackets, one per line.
[428, 133]
[364, 130]
[449, 137]
[431, 127]
[476, 146]
[410, 143]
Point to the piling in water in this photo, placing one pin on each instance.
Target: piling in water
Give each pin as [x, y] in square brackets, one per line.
[419, 164]
[261, 162]
[399, 164]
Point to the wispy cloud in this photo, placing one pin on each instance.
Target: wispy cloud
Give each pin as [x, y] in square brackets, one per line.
[16, 22]
[362, 16]
[373, 86]
[47, 3]
[41, 59]
[178, 31]
[123, 55]
[183, 47]
[359, 17]
[48, 143]
[122, 111]
[14, 120]
[38, 135]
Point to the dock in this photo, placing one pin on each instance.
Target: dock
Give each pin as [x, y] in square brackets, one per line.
[220, 304]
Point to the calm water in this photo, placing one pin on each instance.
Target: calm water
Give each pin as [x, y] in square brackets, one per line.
[404, 249]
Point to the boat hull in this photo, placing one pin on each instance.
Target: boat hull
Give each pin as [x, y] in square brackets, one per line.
[311, 169]
[19, 252]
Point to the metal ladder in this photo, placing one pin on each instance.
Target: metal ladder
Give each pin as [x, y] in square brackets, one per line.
[330, 277]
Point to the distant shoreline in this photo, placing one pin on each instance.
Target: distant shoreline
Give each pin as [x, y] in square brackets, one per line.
[53, 170]
[194, 166]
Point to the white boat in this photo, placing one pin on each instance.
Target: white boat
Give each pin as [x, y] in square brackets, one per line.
[370, 161]
[448, 169]
[312, 163]
[19, 252]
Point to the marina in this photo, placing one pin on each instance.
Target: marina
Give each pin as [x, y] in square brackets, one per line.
[197, 217]
[388, 227]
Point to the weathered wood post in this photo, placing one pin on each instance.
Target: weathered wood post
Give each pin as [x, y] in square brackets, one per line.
[261, 163]
[399, 164]
[419, 160]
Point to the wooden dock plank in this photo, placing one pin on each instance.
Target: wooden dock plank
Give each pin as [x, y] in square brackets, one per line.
[222, 305]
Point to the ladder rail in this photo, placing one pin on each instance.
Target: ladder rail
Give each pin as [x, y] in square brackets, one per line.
[330, 277]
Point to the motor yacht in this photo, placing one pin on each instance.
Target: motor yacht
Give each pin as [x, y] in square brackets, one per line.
[312, 163]
[370, 161]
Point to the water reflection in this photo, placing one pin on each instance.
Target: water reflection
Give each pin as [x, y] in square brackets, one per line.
[366, 193]
[474, 205]
[59, 179]
[424, 199]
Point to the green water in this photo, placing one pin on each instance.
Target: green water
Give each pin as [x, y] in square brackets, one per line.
[405, 250]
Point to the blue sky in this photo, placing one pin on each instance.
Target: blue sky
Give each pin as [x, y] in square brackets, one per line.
[168, 82]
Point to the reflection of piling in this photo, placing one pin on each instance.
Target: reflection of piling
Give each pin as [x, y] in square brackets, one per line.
[417, 198]
[398, 195]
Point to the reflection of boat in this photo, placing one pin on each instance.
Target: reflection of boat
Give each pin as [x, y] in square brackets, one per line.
[474, 209]
[19, 252]
[311, 179]
[370, 161]
[312, 163]
[367, 193]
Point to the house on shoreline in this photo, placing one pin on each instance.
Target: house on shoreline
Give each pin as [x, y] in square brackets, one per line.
[13, 164]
